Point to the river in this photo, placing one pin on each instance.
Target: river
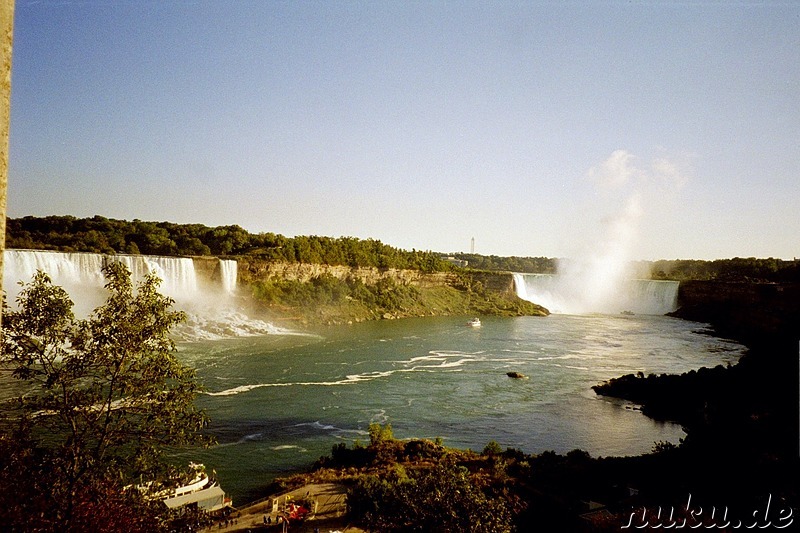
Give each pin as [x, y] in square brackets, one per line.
[279, 402]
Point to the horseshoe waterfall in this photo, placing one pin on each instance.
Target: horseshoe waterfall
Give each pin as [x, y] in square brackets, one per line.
[560, 294]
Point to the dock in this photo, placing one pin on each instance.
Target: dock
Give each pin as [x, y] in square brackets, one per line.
[327, 514]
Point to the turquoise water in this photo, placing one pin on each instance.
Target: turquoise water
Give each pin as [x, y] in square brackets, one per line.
[279, 402]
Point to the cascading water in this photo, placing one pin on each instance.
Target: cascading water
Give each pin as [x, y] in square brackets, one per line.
[81, 273]
[212, 308]
[177, 274]
[229, 271]
[639, 296]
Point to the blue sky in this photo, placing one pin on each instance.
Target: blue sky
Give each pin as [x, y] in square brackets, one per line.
[652, 130]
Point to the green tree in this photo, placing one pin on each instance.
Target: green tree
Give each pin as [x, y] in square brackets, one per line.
[101, 397]
[492, 448]
[443, 498]
[380, 434]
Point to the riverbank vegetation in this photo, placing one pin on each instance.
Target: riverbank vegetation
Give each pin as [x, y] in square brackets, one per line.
[416, 485]
[739, 269]
[532, 265]
[327, 300]
[422, 485]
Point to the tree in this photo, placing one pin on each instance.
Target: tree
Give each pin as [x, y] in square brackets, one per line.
[101, 396]
[492, 448]
[380, 434]
[442, 498]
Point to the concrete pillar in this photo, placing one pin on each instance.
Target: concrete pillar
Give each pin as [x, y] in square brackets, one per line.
[6, 42]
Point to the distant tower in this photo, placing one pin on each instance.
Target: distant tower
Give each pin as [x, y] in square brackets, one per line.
[472, 246]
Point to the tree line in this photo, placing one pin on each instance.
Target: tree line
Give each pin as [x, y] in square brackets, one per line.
[736, 269]
[107, 236]
[532, 265]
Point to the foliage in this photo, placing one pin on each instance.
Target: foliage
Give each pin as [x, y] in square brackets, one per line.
[325, 299]
[99, 504]
[418, 485]
[101, 397]
[444, 498]
[492, 448]
[533, 265]
[341, 456]
[380, 434]
[663, 446]
[103, 235]
[387, 295]
[423, 450]
[382, 450]
[736, 269]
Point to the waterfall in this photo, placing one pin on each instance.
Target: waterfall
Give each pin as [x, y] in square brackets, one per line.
[177, 274]
[82, 272]
[639, 296]
[229, 271]
[212, 310]
[79, 274]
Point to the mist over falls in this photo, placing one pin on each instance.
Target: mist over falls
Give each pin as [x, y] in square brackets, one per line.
[206, 292]
[567, 295]
[600, 276]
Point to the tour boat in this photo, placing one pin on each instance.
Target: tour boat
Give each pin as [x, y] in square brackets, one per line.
[475, 322]
[200, 491]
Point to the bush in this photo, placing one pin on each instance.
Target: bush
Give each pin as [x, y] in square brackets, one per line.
[492, 448]
[443, 498]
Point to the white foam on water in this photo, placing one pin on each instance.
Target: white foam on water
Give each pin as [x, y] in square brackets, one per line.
[316, 425]
[284, 447]
[349, 380]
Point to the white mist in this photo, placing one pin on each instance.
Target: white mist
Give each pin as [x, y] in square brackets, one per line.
[213, 310]
[600, 276]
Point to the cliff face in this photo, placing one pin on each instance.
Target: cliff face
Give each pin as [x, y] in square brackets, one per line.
[409, 293]
[747, 311]
[502, 282]
[207, 269]
[254, 270]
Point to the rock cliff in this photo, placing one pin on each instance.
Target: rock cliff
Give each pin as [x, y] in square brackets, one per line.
[390, 293]
[259, 270]
[746, 311]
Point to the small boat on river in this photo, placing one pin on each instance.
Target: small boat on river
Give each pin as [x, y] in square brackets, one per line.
[475, 322]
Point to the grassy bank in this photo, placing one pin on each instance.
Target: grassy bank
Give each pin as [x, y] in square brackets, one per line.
[327, 300]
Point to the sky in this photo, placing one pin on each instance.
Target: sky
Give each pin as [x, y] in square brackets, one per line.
[645, 130]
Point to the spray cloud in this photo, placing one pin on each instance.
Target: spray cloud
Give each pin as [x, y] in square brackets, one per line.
[593, 280]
